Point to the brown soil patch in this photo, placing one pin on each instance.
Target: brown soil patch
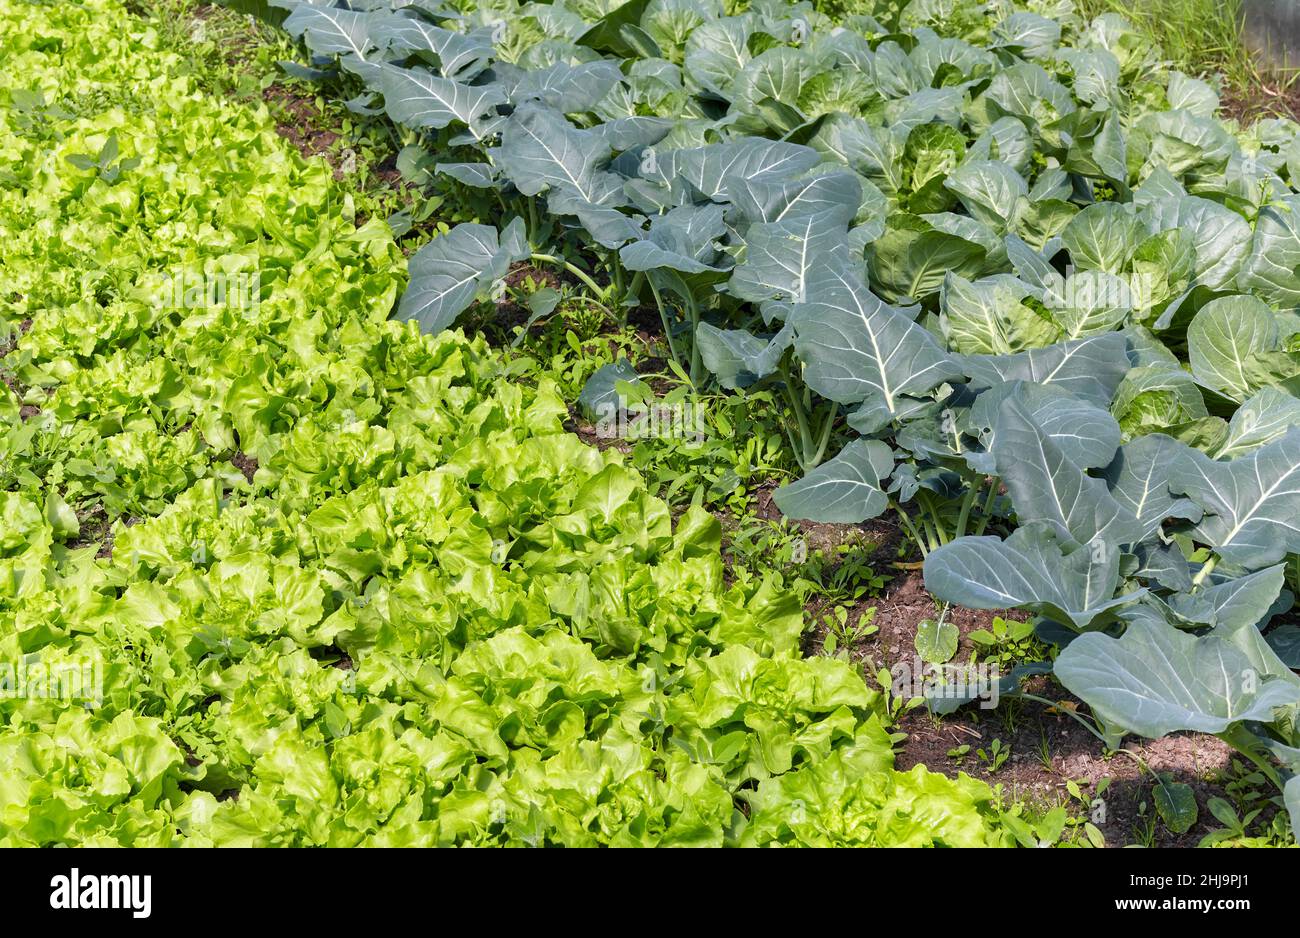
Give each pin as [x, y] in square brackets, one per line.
[298, 121]
[1262, 101]
[245, 464]
[523, 271]
[902, 607]
[586, 431]
[97, 528]
[509, 315]
[388, 173]
[1048, 749]
[881, 535]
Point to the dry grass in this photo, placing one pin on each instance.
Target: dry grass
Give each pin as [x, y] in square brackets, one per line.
[1203, 37]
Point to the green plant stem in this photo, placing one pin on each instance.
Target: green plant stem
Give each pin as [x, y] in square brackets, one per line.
[634, 289]
[967, 503]
[622, 295]
[1055, 705]
[935, 522]
[931, 535]
[824, 438]
[987, 511]
[912, 532]
[663, 318]
[576, 271]
[805, 435]
[616, 269]
[532, 219]
[693, 311]
[801, 417]
[1205, 571]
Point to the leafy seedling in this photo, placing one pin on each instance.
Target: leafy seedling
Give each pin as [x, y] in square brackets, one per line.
[995, 756]
[106, 163]
[936, 639]
[1175, 802]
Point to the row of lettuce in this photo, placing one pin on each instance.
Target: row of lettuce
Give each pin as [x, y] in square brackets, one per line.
[276, 569]
[1020, 263]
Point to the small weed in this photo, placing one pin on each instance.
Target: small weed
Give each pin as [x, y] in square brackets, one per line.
[842, 633]
[1084, 824]
[1008, 642]
[995, 756]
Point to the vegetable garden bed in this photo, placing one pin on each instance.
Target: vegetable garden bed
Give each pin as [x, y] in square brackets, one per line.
[1000, 300]
[431, 616]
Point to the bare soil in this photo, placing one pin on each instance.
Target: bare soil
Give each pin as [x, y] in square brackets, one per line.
[97, 528]
[1266, 99]
[245, 464]
[302, 128]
